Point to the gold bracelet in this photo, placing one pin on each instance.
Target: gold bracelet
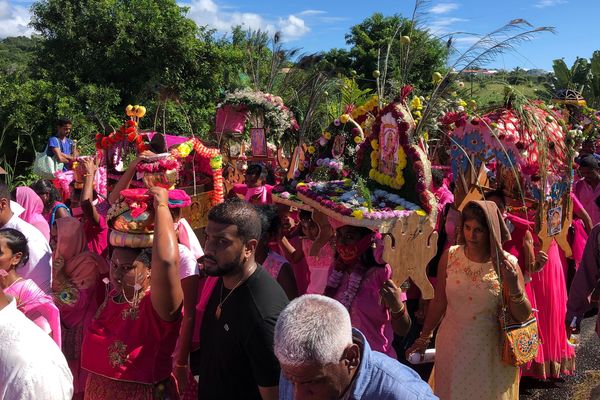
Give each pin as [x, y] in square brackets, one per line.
[161, 205]
[400, 311]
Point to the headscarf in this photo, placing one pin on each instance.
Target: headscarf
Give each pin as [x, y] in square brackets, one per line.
[80, 265]
[499, 232]
[34, 207]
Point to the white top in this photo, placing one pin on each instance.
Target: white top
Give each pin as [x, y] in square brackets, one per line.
[39, 266]
[188, 265]
[31, 364]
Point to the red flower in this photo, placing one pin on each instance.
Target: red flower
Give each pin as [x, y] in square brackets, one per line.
[131, 123]
[405, 91]
[105, 142]
[139, 139]
[131, 137]
[98, 137]
[130, 130]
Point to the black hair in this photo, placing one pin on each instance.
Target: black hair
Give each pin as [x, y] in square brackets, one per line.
[305, 215]
[499, 193]
[44, 186]
[4, 191]
[588, 160]
[240, 213]
[269, 218]
[63, 121]
[437, 176]
[258, 169]
[17, 243]
[473, 212]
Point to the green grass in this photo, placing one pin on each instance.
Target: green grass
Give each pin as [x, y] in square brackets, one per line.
[493, 93]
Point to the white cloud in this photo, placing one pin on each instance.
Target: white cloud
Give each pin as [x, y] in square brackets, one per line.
[548, 3]
[443, 8]
[14, 20]
[442, 26]
[293, 27]
[311, 12]
[208, 12]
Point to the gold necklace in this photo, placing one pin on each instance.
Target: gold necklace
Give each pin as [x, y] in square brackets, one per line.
[223, 300]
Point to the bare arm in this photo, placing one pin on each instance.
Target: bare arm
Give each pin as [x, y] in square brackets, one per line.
[435, 310]
[585, 218]
[269, 393]
[292, 254]
[287, 281]
[514, 289]
[62, 157]
[87, 194]
[190, 294]
[166, 293]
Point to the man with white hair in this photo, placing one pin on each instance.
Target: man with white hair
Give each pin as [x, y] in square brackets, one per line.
[323, 358]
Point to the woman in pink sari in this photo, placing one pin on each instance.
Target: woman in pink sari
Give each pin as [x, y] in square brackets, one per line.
[254, 189]
[31, 300]
[76, 283]
[34, 207]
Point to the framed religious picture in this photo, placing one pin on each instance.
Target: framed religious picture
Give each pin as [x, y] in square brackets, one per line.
[259, 142]
[389, 144]
[339, 145]
[554, 221]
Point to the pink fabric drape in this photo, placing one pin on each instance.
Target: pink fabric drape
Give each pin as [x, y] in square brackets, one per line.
[34, 207]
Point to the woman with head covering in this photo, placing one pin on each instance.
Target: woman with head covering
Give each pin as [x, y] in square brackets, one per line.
[53, 207]
[255, 189]
[468, 361]
[363, 284]
[31, 300]
[128, 346]
[76, 284]
[34, 207]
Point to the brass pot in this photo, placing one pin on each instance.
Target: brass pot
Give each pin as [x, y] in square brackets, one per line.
[166, 179]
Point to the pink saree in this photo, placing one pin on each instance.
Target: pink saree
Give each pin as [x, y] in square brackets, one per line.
[34, 207]
[37, 306]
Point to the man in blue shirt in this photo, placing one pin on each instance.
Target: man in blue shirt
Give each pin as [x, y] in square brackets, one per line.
[323, 358]
[60, 146]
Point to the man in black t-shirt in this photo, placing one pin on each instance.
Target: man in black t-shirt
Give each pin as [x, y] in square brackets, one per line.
[236, 359]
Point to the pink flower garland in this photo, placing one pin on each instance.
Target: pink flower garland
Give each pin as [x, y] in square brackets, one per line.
[356, 277]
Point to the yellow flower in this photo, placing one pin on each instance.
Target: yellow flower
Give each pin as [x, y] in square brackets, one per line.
[421, 213]
[358, 214]
[358, 140]
[415, 103]
[373, 172]
[327, 135]
[374, 144]
[462, 103]
[301, 184]
[417, 114]
[311, 149]
[344, 118]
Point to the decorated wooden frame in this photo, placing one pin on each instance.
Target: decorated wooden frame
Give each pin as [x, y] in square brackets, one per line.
[532, 163]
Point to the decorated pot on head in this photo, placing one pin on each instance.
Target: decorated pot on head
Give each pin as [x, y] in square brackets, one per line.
[132, 220]
[159, 170]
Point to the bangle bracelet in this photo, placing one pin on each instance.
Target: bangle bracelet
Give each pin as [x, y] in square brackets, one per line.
[180, 365]
[161, 205]
[399, 311]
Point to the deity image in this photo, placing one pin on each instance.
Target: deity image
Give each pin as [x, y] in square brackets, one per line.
[258, 141]
[339, 145]
[554, 221]
[389, 143]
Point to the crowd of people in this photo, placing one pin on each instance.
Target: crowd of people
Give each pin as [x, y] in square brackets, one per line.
[276, 302]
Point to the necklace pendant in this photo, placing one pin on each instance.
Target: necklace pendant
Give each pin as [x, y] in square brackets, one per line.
[218, 312]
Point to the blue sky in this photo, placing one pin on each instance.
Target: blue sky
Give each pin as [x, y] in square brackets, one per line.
[316, 25]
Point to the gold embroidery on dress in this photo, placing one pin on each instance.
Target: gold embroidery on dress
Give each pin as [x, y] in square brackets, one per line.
[131, 313]
[116, 354]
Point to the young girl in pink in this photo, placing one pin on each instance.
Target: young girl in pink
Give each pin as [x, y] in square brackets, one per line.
[320, 264]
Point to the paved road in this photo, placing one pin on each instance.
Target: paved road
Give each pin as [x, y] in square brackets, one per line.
[584, 384]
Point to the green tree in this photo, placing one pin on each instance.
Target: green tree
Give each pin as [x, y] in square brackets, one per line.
[370, 40]
[135, 46]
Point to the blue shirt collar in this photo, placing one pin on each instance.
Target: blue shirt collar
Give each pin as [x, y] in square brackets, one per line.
[361, 379]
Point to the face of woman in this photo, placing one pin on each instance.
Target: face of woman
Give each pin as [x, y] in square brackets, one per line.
[476, 235]
[8, 259]
[126, 271]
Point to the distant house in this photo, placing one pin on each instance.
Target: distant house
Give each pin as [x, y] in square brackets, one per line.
[480, 72]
